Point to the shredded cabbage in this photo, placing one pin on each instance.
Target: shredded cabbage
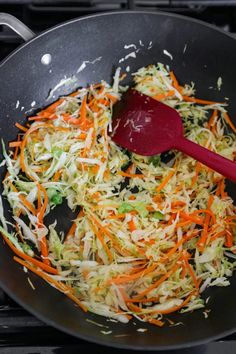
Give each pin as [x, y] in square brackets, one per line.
[139, 246]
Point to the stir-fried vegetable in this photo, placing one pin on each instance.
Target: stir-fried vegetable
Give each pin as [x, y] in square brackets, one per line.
[150, 236]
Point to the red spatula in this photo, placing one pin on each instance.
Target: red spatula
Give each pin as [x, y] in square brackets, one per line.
[149, 127]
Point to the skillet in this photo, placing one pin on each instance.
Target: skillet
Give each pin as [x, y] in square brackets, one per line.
[201, 53]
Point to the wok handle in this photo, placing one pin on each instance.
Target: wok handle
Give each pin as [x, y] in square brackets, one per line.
[16, 25]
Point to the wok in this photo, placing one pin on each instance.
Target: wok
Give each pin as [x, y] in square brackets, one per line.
[201, 53]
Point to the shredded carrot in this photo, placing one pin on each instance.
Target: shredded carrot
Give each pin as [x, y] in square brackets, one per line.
[131, 225]
[132, 197]
[21, 127]
[122, 77]
[39, 200]
[162, 96]
[74, 94]
[130, 168]
[178, 244]
[202, 241]
[82, 136]
[44, 247]
[52, 107]
[95, 169]
[83, 110]
[197, 171]
[45, 203]
[96, 195]
[183, 223]
[217, 235]
[167, 311]
[57, 176]
[112, 98]
[118, 216]
[101, 239]
[110, 236]
[23, 145]
[28, 258]
[175, 308]
[26, 203]
[222, 189]
[230, 217]
[229, 241]
[165, 181]
[212, 121]
[131, 175]
[48, 116]
[178, 203]
[175, 82]
[156, 322]
[206, 211]
[198, 100]
[72, 229]
[191, 217]
[121, 279]
[58, 285]
[14, 144]
[158, 282]
[191, 272]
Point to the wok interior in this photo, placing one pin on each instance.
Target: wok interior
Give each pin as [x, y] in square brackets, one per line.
[209, 54]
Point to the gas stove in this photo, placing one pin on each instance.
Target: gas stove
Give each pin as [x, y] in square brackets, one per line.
[20, 332]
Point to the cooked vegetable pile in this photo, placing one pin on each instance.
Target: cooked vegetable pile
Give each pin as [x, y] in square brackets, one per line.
[151, 233]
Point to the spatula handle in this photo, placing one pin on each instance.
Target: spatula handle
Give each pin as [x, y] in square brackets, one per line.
[215, 161]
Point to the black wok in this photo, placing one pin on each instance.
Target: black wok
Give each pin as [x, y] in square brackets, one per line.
[201, 53]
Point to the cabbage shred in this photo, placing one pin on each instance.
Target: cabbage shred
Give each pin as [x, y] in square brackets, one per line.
[151, 235]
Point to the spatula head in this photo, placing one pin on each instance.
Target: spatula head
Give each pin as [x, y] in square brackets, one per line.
[144, 125]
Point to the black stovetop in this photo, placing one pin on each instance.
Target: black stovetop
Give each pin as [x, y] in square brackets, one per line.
[20, 332]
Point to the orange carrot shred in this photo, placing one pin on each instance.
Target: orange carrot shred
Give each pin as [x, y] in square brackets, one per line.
[197, 170]
[101, 239]
[26, 203]
[228, 239]
[58, 285]
[158, 282]
[83, 111]
[162, 96]
[165, 181]
[44, 247]
[28, 258]
[21, 127]
[131, 225]
[175, 82]
[198, 100]
[212, 121]
[121, 279]
[14, 144]
[191, 272]
[156, 322]
[131, 175]
[175, 308]
[201, 242]
[72, 229]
